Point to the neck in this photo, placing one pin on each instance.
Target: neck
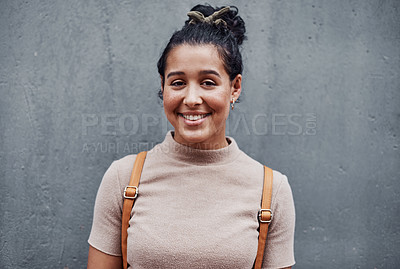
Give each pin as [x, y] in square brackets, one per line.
[203, 145]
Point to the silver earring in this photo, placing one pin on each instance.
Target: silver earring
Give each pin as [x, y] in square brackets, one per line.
[232, 103]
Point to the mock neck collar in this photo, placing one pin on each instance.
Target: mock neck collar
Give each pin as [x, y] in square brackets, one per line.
[193, 156]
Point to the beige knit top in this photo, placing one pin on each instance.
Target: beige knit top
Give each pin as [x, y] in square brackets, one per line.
[195, 209]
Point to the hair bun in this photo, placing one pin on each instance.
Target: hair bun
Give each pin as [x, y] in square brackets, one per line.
[234, 22]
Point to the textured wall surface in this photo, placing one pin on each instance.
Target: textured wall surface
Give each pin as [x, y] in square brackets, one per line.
[321, 103]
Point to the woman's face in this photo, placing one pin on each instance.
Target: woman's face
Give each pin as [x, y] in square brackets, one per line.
[197, 93]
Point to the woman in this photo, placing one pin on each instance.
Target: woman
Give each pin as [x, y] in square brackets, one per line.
[199, 193]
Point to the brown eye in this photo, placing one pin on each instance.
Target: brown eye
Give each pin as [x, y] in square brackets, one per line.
[208, 83]
[177, 83]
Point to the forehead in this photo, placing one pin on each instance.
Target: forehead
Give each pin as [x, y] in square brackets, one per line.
[194, 57]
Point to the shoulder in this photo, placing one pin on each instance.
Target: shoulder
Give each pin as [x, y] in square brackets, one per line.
[124, 163]
[279, 179]
[280, 183]
[119, 171]
[247, 161]
[280, 187]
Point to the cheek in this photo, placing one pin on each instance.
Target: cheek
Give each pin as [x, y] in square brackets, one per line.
[170, 101]
[219, 103]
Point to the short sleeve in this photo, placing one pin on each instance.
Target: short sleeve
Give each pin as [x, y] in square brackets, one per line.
[279, 249]
[106, 228]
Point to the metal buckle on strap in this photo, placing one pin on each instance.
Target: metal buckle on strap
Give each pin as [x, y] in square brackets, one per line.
[131, 197]
[260, 215]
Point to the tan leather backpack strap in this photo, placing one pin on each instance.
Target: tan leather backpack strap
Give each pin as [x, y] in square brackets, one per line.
[130, 193]
[264, 216]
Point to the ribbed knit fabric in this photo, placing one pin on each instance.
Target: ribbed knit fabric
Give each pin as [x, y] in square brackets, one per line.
[195, 209]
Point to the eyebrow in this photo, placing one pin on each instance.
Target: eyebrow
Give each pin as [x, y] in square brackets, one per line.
[206, 72]
[177, 73]
[203, 72]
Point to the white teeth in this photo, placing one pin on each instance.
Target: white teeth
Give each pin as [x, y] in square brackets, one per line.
[194, 117]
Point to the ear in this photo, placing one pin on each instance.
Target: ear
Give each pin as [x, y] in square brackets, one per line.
[236, 87]
[162, 83]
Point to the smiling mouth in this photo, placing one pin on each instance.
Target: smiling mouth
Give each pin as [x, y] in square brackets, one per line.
[194, 117]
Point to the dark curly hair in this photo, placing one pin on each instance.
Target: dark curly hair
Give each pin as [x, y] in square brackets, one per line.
[227, 39]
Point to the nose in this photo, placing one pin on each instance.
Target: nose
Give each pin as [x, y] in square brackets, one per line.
[192, 96]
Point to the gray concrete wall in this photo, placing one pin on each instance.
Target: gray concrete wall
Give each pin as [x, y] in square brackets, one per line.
[321, 103]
